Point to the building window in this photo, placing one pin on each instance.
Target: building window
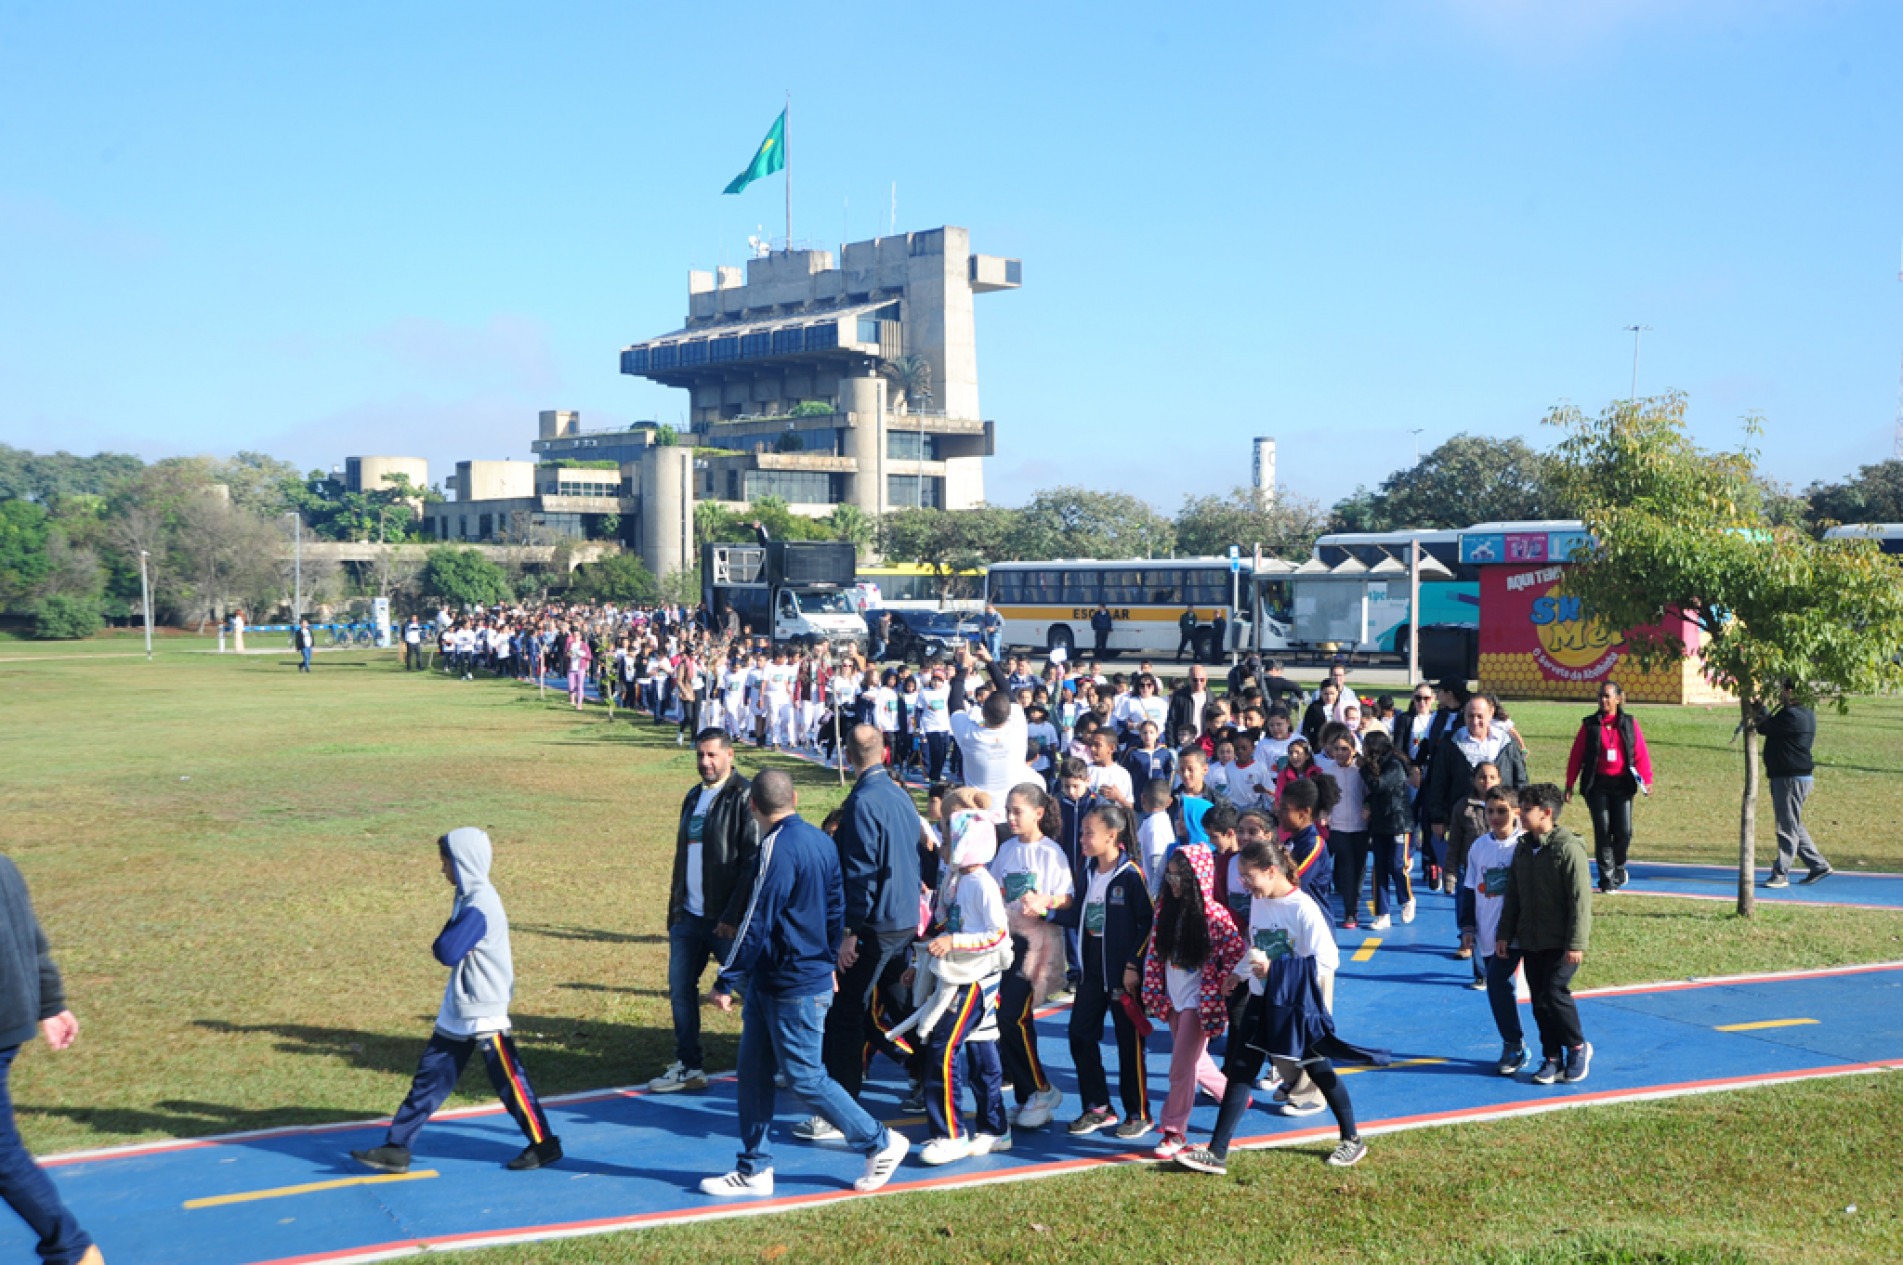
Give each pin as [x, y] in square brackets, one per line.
[733, 485]
[484, 525]
[906, 491]
[910, 445]
[806, 487]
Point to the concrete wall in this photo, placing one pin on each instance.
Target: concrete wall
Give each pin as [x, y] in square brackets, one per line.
[494, 480]
[365, 474]
[667, 510]
[556, 423]
[863, 400]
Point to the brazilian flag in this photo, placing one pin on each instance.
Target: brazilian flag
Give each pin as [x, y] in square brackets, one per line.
[770, 158]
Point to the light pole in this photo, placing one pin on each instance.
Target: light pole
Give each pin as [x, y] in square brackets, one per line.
[145, 600]
[1416, 432]
[297, 565]
[1637, 332]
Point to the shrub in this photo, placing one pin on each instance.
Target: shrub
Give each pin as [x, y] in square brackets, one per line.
[67, 618]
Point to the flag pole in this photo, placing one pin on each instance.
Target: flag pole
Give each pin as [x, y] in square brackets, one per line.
[786, 148]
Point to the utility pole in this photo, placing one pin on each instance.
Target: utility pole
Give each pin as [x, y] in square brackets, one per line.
[1637, 332]
[145, 599]
[1416, 432]
[297, 565]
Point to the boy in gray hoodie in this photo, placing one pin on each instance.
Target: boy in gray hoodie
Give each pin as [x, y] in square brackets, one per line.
[474, 945]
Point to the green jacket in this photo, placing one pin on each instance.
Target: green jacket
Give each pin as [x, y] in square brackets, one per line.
[1549, 894]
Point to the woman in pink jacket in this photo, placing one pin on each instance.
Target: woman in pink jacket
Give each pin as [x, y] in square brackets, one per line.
[1610, 765]
[1195, 944]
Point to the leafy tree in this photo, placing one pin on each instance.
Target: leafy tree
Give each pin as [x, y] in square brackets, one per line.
[911, 379]
[49, 477]
[812, 408]
[1285, 527]
[23, 561]
[713, 524]
[464, 577]
[681, 587]
[850, 523]
[1468, 479]
[1075, 522]
[1679, 531]
[666, 436]
[1874, 496]
[621, 578]
[948, 542]
[60, 618]
[259, 483]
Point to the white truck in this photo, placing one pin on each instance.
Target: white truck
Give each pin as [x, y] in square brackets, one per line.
[795, 592]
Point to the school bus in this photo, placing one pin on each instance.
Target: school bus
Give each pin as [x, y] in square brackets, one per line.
[914, 586]
[1048, 605]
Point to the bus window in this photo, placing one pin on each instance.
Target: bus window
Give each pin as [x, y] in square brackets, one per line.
[1082, 587]
[1275, 601]
[1165, 586]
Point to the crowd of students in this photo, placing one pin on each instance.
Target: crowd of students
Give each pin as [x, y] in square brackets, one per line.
[1171, 859]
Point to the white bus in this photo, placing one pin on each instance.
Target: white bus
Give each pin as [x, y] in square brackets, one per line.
[1048, 605]
[1889, 536]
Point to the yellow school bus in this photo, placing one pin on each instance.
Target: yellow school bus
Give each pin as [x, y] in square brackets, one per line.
[914, 586]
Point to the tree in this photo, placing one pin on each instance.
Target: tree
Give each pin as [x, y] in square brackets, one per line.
[621, 578]
[851, 524]
[681, 587]
[951, 544]
[221, 555]
[1468, 479]
[1285, 527]
[911, 379]
[1074, 522]
[23, 562]
[1874, 496]
[464, 577]
[666, 436]
[1681, 532]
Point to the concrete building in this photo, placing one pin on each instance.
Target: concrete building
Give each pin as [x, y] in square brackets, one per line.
[795, 375]
[366, 474]
[527, 502]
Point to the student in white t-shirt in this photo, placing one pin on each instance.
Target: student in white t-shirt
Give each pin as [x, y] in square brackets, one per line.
[1246, 780]
[1489, 860]
[1037, 881]
[1156, 836]
[1109, 779]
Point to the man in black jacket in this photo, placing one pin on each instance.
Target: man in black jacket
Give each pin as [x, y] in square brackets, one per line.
[31, 999]
[1186, 707]
[1788, 735]
[878, 855]
[715, 849]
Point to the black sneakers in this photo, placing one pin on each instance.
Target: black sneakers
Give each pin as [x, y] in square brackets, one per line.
[547, 1151]
[385, 1159]
[1816, 876]
[1548, 1073]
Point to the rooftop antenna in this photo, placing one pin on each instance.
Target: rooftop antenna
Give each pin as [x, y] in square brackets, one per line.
[892, 229]
[759, 243]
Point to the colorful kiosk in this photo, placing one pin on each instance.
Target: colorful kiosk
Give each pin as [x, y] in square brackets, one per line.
[1538, 643]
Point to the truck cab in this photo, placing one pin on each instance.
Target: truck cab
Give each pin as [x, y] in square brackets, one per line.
[808, 616]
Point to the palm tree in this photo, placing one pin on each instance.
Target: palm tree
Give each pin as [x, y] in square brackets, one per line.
[851, 523]
[911, 377]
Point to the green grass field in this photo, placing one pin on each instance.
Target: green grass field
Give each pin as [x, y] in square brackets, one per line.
[236, 865]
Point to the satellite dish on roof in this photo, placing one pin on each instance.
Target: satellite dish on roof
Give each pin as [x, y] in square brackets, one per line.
[759, 243]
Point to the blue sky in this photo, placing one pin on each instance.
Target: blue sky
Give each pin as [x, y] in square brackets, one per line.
[323, 230]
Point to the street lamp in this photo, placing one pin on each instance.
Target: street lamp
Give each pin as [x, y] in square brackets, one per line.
[1637, 332]
[145, 599]
[1416, 432]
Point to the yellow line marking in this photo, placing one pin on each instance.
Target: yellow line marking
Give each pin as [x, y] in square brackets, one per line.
[1763, 1023]
[1349, 1071]
[309, 1188]
[1367, 949]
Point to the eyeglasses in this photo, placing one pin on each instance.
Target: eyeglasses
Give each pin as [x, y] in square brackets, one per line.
[1423, 698]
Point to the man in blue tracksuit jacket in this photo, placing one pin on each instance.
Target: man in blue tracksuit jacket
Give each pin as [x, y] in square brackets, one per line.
[784, 953]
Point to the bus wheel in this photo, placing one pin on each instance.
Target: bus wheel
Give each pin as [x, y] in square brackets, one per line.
[1061, 638]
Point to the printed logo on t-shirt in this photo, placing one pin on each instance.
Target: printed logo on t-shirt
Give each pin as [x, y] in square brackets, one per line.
[1272, 941]
[696, 827]
[1016, 885]
[955, 920]
[1494, 880]
[1093, 917]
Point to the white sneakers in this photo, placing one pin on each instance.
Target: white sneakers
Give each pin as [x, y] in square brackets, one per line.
[1381, 924]
[945, 1150]
[881, 1164]
[1407, 912]
[677, 1077]
[1037, 1110]
[739, 1185]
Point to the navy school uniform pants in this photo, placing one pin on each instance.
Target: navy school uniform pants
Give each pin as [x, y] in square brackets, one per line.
[1017, 1030]
[946, 1074]
[442, 1066]
[1086, 1041]
[28, 1191]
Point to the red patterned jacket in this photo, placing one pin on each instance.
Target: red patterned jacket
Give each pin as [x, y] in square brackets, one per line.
[1225, 948]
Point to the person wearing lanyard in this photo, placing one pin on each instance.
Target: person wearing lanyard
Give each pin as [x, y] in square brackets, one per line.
[1610, 764]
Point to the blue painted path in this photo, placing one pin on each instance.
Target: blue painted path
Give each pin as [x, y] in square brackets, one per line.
[636, 1159]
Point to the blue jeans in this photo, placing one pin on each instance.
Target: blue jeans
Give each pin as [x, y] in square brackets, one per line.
[785, 1033]
[690, 942]
[994, 642]
[304, 659]
[27, 1189]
